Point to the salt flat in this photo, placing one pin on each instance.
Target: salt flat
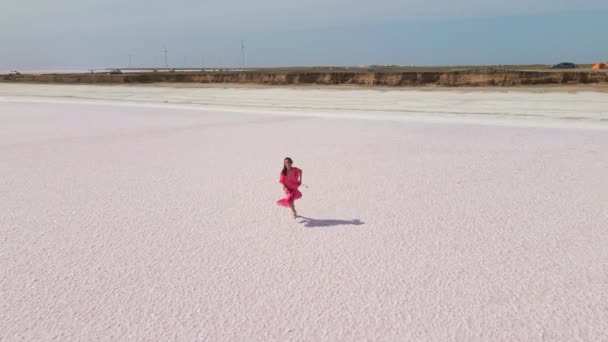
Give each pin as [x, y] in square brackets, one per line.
[536, 106]
[147, 213]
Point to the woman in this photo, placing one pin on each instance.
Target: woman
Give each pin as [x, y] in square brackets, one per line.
[291, 178]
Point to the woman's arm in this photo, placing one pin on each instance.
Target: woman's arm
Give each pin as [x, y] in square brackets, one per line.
[283, 181]
[300, 177]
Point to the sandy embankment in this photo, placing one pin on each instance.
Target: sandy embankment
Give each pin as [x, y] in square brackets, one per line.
[513, 76]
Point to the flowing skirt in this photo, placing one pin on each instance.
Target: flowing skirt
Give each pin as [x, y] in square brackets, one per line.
[290, 197]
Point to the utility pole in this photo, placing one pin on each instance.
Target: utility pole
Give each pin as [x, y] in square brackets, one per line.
[243, 52]
[166, 56]
[130, 60]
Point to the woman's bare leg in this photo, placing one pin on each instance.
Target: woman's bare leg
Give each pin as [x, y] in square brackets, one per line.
[293, 210]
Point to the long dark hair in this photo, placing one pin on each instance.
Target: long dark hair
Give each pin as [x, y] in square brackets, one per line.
[284, 172]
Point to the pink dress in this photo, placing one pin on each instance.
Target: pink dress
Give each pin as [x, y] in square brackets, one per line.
[290, 184]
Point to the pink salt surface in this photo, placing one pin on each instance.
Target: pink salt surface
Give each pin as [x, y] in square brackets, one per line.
[133, 223]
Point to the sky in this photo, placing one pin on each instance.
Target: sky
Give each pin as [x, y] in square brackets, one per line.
[84, 34]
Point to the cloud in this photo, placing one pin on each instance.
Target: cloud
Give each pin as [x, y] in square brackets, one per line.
[239, 15]
[82, 33]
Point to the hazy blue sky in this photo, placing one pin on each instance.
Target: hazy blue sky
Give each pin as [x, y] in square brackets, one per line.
[102, 33]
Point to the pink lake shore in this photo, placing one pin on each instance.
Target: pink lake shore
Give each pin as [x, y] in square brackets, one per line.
[129, 214]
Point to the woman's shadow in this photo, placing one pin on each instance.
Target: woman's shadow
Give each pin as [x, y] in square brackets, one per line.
[313, 223]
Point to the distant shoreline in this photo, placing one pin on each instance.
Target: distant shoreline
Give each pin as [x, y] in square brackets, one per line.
[528, 106]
